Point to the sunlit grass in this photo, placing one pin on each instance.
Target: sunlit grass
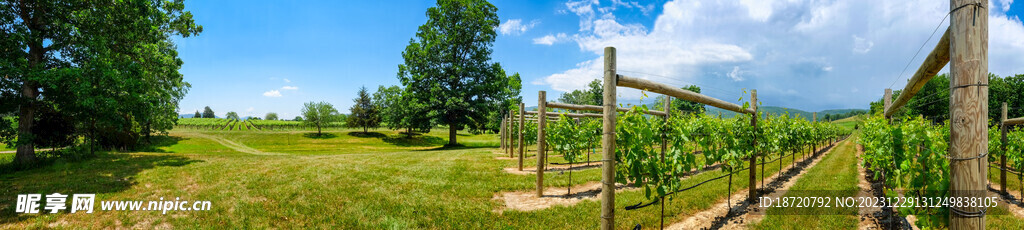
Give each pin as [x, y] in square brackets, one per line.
[837, 172]
[394, 186]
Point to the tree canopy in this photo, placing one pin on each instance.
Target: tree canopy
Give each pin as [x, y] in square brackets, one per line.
[399, 110]
[208, 113]
[109, 65]
[448, 65]
[318, 114]
[271, 116]
[232, 116]
[364, 113]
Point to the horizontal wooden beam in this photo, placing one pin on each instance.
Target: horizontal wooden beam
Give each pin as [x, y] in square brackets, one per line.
[598, 108]
[935, 61]
[1014, 121]
[575, 107]
[687, 95]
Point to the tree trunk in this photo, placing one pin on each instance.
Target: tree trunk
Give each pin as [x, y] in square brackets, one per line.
[318, 132]
[26, 153]
[451, 134]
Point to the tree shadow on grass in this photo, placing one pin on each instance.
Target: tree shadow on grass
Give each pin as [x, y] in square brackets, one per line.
[319, 135]
[107, 173]
[414, 141]
[367, 134]
[159, 141]
[454, 147]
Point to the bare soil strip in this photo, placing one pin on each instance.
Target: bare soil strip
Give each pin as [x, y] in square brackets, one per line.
[37, 150]
[720, 216]
[528, 201]
[1012, 203]
[235, 145]
[877, 217]
[554, 196]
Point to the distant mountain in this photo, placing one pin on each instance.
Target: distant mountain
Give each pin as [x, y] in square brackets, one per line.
[189, 115]
[773, 110]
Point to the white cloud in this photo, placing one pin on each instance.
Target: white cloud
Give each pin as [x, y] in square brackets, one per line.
[774, 46]
[516, 26]
[735, 74]
[585, 10]
[289, 88]
[759, 10]
[287, 81]
[272, 93]
[250, 109]
[1005, 4]
[551, 39]
[861, 45]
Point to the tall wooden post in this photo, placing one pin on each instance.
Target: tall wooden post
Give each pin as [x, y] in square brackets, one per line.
[752, 189]
[522, 125]
[541, 122]
[968, 105]
[664, 148]
[501, 134]
[1002, 146]
[815, 115]
[608, 142]
[887, 102]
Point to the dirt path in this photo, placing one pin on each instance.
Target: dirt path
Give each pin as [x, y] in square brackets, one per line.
[877, 217]
[528, 201]
[719, 215]
[553, 196]
[1013, 204]
[37, 150]
[235, 145]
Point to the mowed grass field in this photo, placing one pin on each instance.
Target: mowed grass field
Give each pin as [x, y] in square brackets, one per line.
[346, 180]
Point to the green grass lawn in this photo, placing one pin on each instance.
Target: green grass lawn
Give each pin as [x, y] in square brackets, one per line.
[849, 122]
[836, 172]
[345, 186]
[1012, 181]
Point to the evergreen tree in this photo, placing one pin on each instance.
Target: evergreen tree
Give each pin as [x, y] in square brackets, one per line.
[364, 112]
[197, 115]
[208, 113]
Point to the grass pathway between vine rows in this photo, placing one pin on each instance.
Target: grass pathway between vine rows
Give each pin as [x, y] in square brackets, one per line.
[234, 145]
[736, 213]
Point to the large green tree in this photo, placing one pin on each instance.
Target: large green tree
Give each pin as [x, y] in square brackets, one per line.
[364, 113]
[271, 116]
[592, 95]
[110, 65]
[683, 105]
[399, 110]
[448, 65]
[232, 116]
[197, 115]
[208, 113]
[318, 114]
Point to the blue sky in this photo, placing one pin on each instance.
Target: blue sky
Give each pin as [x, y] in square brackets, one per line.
[256, 56]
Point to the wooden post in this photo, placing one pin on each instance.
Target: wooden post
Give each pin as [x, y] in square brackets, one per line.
[1002, 146]
[608, 142]
[815, 114]
[501, 134]
[664, 148]
[968, 105]
[752, 189]
[887, 102]
[541, 122]
[522, 125]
